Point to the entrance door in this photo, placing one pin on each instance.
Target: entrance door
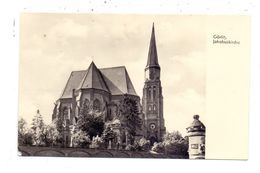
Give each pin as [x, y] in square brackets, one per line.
[153, 140]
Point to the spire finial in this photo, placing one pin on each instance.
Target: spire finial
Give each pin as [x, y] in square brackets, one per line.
[153, 29]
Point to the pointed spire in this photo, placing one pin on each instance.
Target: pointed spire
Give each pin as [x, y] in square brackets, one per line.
[152, 54]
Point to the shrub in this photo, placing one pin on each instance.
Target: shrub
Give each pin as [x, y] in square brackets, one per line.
[51, 135]
[96, 142]
[80, 139]
[24, 134]
[142, 145]
[158, 147]
[130, 147]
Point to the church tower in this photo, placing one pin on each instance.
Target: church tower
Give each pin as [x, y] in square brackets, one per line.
[152, 100]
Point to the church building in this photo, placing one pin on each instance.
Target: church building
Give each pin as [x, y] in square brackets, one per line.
[102, 89]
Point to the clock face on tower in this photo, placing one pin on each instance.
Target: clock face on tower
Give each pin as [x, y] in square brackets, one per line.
[152, 126]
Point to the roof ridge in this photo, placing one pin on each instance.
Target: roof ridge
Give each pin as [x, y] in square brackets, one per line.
[79, 70]
[84, 78]
[102, 76]
[113, 67]
[129, 82]
[126, 81]
[94, 79]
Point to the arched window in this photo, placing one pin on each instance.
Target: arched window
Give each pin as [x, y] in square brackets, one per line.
[149, 108]
[77, 111]
[86, 103]
[96, 105]
[65, 116]
[149, 93]
[65, 113]
[154, 92]
[154, 107]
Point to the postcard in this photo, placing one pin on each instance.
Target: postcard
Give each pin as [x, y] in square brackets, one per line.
[134, 86]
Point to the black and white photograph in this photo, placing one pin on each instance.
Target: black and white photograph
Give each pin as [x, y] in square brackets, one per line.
[124, 85]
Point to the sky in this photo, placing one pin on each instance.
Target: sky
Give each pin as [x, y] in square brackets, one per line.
[53, 45]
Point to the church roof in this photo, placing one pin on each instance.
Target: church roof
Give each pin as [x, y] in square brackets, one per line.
[93, 79]
[152, 54]
[118, 80]
[73, 83]
[114, 80]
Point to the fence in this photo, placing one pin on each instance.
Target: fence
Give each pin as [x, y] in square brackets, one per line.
[82, 152]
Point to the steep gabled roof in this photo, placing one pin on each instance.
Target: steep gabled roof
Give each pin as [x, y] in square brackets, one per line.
[118, 80]
[114, 80]
[93, 79]
[73, 83]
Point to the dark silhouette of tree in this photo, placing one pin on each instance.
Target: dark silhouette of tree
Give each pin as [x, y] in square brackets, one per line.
[24, 134]
[108, 135]
[58, 124]
[90, 121]
[130, 116]
[52, 136]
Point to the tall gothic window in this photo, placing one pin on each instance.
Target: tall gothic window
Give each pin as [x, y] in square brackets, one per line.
[65, 113]
[96, 105]
[149, 93]
[86, 102]
[154, 107]
[154, 92]
[150, 108]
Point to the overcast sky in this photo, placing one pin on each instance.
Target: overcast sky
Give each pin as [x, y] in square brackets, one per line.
[53, 45]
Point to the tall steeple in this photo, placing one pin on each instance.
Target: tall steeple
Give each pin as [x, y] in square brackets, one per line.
[152, 69]
[152, 53]
[152, 100]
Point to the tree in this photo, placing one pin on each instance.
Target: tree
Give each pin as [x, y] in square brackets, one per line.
[90, 122]
[38, 129]
[130, 147]
[175, 135]
[158, 147]
[51, 135]
[24, 134]
[142, 145]
[80, 139]
[173, 144]
[130, 116]
[108, 135]
[58, 122]
[96, 142]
